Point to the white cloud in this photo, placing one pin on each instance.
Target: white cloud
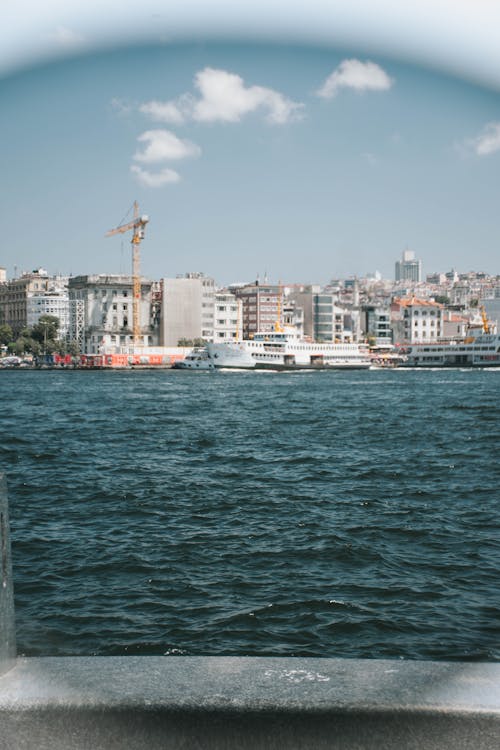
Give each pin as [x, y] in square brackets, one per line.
[357, 75]
[223, 97]
[163, 112]
[162, 145]
[154, 179]
[488, 141]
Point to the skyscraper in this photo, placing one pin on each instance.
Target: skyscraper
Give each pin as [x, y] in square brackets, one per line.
[408, 269]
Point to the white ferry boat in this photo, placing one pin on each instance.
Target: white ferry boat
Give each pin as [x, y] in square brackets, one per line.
[284, 350]
[481, 351]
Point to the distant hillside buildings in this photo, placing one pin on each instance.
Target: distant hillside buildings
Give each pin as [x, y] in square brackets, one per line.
[96, 311]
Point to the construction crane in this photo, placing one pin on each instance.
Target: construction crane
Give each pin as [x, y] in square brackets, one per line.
[137, 225]
[485, 321]
[278, 327]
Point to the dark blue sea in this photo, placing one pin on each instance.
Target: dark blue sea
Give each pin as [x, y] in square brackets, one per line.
[315, 514]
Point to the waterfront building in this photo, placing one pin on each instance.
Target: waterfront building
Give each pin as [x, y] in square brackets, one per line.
[454, 325]
[376, 325]
[3, 275]
[416, 320]
[14, 296]
[408, 268]
[492, 309]
[187, 309]
[228, 318]
[323, 319]
[55, 302]
[293, 316]
[262, 306]
[101, 313]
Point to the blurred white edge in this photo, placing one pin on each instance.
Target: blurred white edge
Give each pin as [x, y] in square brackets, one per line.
[458, 37]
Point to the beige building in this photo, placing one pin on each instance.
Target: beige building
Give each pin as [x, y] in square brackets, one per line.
[14, 296]
[187, 309]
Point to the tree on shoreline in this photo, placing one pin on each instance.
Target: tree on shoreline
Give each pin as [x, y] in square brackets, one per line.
[42, 338]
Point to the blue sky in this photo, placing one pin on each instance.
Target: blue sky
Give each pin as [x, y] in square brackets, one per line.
[247, 162]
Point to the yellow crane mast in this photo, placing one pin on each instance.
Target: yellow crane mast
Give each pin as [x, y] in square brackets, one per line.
[137, 225]
[278, 327]
[484, 318]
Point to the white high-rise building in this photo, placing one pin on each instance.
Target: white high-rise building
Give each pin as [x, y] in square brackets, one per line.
[187, 309]
[228, 317]
[55, 303]
[409, 268]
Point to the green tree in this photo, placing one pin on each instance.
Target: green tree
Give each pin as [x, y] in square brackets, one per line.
[6, 335]
[33, 347]
[45, 332]
[442, 299]
[19, 346]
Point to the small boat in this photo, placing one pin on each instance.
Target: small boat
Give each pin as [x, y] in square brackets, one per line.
[198, 359]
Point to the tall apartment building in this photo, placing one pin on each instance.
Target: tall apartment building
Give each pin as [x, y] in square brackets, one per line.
[261, 307]
[101, 313]
[323, 319]
[416, 320]
[376, 324]
[187, 309]
[408, 268]
[228, 321]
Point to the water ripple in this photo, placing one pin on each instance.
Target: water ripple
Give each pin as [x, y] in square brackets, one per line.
[331, 514]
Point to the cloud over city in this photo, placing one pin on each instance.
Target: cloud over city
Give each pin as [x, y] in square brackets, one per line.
[488, 141]
[161, 146]
[357, 75]
[224, 97]
[154, 179]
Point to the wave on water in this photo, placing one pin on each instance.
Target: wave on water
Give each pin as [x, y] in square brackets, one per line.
[157, 512]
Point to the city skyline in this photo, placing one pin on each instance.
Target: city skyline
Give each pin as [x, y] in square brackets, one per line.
[249, 159]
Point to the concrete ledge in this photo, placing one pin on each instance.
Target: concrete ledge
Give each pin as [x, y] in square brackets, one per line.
[226, 702]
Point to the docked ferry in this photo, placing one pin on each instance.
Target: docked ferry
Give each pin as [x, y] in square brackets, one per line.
[480, 351]
[285, 350]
